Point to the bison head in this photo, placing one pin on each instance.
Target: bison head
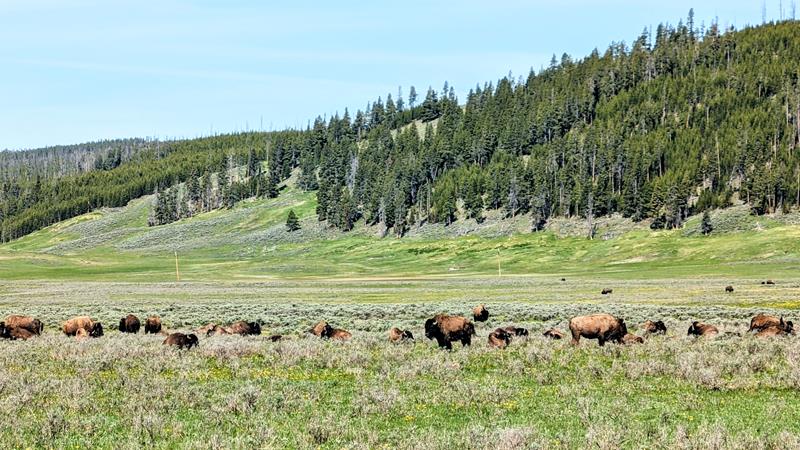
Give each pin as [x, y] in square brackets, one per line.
[97, 330]
[693, 328]
[191, 340]
[5, 332]
[122, 327]
[787, 326]
[407, 335]
[255, 328]
[432, 329]
[327, 331]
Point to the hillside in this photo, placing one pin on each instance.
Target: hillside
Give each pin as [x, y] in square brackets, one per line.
[679, 122]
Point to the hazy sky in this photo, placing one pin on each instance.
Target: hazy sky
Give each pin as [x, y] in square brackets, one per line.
[80, 70]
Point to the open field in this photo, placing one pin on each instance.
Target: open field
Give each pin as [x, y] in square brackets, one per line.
[126, 391]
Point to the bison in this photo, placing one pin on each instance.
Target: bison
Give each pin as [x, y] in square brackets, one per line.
[632, 339]
[499, 338]
[729, 289]
[182, 341]
[772, 331]
[129, 324]
[34, 326]
[243, 328]
[338, 334]
[764, 321]
[656, 327]
[603, 327]
[607, 291]
[217, 330]
[480, 313]
[321, 329]
[398, 335]
[152, 325]
[275, 338]
[553, 333]
[81, 334]
[516, 331]
[448, 329]
[768, 282]
[14, 333]
[702, 329]
[92, 328]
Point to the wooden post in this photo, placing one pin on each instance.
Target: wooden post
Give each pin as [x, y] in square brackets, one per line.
[499, 272]
[177, 270]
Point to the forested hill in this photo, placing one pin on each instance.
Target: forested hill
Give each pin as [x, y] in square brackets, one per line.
[676, 122]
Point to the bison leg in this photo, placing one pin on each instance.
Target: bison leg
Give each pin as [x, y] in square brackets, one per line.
[576, 337]
[600, 341]
[466, 340]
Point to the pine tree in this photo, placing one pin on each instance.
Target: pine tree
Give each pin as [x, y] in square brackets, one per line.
[292, 222]
[705, 226]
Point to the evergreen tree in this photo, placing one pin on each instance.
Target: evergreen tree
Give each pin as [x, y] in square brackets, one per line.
[705, 226]
[292, 222]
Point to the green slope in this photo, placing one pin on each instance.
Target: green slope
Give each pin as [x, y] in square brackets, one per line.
[250, 242]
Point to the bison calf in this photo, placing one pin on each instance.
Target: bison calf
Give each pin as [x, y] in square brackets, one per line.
[603, 327]
[516, 331]
[182, 341]
[499, 338]
[656, 327]
[632, 339]
[398, 335]
[448, 329]
[553, 333]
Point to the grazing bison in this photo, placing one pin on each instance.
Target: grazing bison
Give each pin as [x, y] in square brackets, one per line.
[563, 279]
[603, 327]
[480, 313]
[632, 339]
[448, 329]
[398, 335]
[607, 291]
[764, 321]
[553, 333]
[181, 340]
[27, 323]
[656, 327]
[702, 329]
[768, 282]
[152, 325]
[516, 331]
[92, 328]
[729, 289]
[243, 328]
[499, 338]
[129, 324]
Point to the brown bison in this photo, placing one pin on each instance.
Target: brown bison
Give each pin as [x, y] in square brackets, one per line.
[206, 328]
[448, 329]
[480, 313]
[81, 334]
[772, 331]
[398, 335]
[516, 331]
[553, 333]
[14, 333]
[129, 324]
[607, 291]
[632, 339]
[92, 328]
[764, 321]
[499, 338]
[603, 327]
[729, 289]
[243, 328]
[702, 329]
[182, 341]
[217, 330]
[27, 323]
[152, 325]
[339, 334]
[656, 327]
[321, 329]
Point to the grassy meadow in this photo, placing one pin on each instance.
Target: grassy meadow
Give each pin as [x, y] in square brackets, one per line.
[129, 391]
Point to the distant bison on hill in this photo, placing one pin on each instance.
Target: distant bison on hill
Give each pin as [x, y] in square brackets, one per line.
[152, 325]
[603, 327]
[768, 282]
[607, 291]
[657, 327]
[182, 341]
[499, 338]
[92, 328]
[702, 329]
[448, 329]
[729, 289]
[129, 324]
[480, 313]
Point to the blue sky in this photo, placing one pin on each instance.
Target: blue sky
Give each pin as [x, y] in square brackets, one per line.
[82, 70]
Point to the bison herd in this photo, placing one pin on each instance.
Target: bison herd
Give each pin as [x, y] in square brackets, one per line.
[443, 328]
